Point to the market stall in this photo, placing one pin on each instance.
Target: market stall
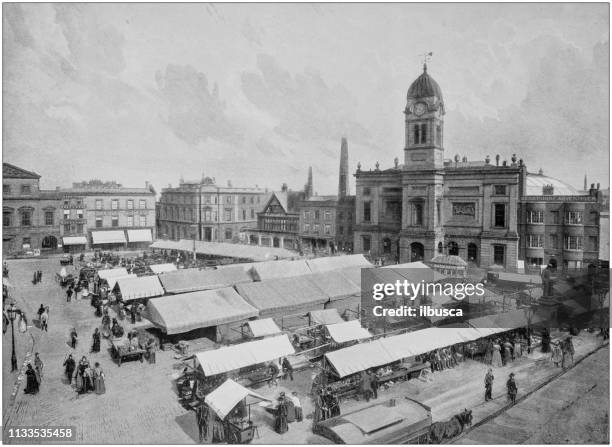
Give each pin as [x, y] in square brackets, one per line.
[344, 294]
[129, 289]
[260, 328]
[229, 402]
[262, 271]
[346, 332]
[162, 268]
[212, 313]
[331, 263]
[191, 280]
[246, 363]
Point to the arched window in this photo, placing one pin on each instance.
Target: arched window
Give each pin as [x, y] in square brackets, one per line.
[440, 247]
[453, 248]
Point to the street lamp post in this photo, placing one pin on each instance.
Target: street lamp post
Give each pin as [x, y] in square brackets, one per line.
[12, 314]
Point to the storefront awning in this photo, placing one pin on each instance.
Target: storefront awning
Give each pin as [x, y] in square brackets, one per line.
[139, 287]
[74, 240]
[228, 395]
[107, 273]
[188, 311]
[263, 327]
[347, 331]
[108, 237]
[239, 356]
[142, 235]
[162, 268]
[325, 316]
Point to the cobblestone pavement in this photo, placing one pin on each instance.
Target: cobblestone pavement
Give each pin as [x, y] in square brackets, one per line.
[141, 405]
[572, 409]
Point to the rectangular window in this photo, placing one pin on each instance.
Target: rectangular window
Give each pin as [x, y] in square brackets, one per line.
[499, 210]
[340, 230]
[306, 228]
[143, 204]
[98, 204]
[243, 214]
[25, 189]
[423, 133]
[7, 219]
[573, 217]
[573, 242]
[243, 199]
[535, 217]
[365, 242]
[66, 214]
[499, 190]
[228, 233]
[317, 228]
[143, 221]
[6, 188]
[535, 261]
[317, 215]
[228, 199]
[366, 191]
[252, 200]
[26, 242]
[393, 210]
[130, 204]
[114, 204]
[340, 215]
[327, 229]
[417, 214]
[114, 221]
[499, 254]
[79, 228]
[99, 222]
[130, 221]
[79, 214]
[535, 241]
[66, 228]
[228, 215]
[367, 212]
[26, 219]
[252, 213]
[49, 217]
[593, 243]
[327, 215]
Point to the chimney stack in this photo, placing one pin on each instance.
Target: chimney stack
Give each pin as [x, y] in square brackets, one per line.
[284, 187]
[308, 188]
[343, 180]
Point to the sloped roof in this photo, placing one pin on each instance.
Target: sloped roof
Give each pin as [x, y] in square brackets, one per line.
[223, 399]
[328, 263]
[263, 327]
[347, 331]
[163, 268]
[261, 271]
[12, 171]
[227, 250]
[335, 285]
[282, 294]
[536, 183]
[188, 311]
[139, 287]
[325, 317]
[231, 358]
[190, 280]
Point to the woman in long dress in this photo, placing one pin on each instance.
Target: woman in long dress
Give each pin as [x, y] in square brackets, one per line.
[281, 416]
[496, 359]
[95, 347]
[556, 354]
[80, 375]
[100, 388]
[38, 367]
[32, 385]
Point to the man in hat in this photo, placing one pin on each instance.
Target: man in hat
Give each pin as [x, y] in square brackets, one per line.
[512, 388]
[489, 385]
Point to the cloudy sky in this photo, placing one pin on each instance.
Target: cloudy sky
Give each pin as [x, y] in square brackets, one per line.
[257, 93]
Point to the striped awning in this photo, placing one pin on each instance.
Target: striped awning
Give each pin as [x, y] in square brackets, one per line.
[108, 237]
[74, 240]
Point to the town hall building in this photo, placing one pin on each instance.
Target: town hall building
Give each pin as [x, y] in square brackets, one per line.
[432, 206]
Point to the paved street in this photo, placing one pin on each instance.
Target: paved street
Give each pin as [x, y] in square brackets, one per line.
[572, 409]
[141, 404]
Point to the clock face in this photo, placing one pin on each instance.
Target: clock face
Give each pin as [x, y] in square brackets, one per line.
[419, 109]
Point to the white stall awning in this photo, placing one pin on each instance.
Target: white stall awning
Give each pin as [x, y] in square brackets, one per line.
[228, 395]
[263, 327]
[162, 268]
[347, 331]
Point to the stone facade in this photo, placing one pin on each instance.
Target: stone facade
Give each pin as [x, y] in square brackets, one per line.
[30, 216]
[96, 206]
[209, 212]
[430, 205]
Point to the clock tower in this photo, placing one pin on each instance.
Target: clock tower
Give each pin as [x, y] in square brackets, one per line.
[424, 124]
